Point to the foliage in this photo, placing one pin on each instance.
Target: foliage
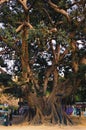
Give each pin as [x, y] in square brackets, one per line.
[5, 79]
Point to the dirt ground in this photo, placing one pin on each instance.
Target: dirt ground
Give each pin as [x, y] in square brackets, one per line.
[79, 124]
[43, 127]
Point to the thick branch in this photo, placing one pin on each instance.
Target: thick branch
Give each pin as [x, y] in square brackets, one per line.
[57, 9]
[3, 1]
[64, 89]
[19, 28]
[47, 74]
[75, 66]
[29, 25]
[24, 4]
[2, 71]
[57, 53]
[22, 25]
[63, 55]
[32, 78]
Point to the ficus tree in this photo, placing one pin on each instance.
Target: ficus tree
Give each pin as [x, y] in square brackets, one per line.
[46, 44]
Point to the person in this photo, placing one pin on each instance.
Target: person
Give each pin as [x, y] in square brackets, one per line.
[6, 119]
[10, 117]
[79, 113]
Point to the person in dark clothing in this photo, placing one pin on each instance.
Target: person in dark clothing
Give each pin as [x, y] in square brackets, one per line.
[6, 120]
[79, 113]
[10, 118]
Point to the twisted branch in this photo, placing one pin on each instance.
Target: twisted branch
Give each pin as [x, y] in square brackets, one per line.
[59, 10]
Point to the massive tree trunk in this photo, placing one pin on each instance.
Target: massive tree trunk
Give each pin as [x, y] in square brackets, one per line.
[49, 109]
